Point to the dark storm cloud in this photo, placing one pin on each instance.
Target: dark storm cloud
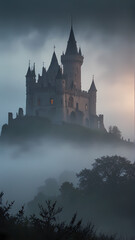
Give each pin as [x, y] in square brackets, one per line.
[18, 18]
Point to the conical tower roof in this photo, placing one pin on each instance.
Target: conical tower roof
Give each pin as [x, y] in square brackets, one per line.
[33, 71]
[28, 74]
[53, 69]
[43, 71]
[71, 45]
[93, 87]
[54, 62]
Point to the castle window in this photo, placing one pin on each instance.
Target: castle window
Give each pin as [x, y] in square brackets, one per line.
[70, 102]
[86, 107]
[51, 101]
[77, 106]
[38, 101]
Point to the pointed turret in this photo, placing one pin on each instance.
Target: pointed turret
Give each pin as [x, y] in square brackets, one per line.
[71, 45]
[93, 87]
[33, 71]
[72, 61]
[30, 83]
[92, 94]
[53, 69]
[28, 74]
[54, 62]
[43, 71]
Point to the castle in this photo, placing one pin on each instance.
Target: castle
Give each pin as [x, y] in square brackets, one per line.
[57, 94]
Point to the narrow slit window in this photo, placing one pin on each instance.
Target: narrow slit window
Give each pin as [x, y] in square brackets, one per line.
[39, 102]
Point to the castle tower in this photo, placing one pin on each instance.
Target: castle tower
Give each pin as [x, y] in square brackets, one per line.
[60, 82]
[53, 69]
[72, 61]
[92, 95]
[30, 82]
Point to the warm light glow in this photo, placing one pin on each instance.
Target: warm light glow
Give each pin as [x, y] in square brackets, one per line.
[116, 101]
[52, 101]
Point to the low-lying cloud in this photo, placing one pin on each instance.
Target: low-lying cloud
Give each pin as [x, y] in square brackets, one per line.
[23, 169]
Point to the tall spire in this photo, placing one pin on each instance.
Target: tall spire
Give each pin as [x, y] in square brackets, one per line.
[33, 71]
[93, 87]
[53, 68]
[71, 45]
[28, 71]
[54, 61]
[43, 70]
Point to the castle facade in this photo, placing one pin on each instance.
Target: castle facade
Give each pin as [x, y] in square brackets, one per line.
[57, 93]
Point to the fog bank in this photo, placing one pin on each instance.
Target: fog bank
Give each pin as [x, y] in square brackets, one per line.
[24, 168]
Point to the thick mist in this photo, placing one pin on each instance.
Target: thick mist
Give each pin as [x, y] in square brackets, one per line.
[103, 29]
[23, 169]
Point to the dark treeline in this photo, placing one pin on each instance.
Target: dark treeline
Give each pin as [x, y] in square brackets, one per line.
[105, 195]
[103, 202]
[45, 226]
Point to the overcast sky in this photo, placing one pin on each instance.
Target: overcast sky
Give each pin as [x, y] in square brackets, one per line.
[105, 30]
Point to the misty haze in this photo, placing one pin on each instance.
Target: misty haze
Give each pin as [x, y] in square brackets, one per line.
[31, 165]
[67, 121]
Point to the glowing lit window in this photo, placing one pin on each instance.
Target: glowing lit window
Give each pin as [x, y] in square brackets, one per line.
[52, 101]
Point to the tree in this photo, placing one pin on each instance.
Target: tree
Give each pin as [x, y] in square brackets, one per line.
[67, 189]
[50, 188]
[4, 211]
[50, 229]
[107, 170]
[89, 179]
[48, 215]
[114, 130]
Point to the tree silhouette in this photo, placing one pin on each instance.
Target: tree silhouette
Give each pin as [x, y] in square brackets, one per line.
[107, 170]
[114, 131]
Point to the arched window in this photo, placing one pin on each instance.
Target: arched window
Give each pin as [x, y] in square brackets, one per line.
[86, 107]
[71, 102]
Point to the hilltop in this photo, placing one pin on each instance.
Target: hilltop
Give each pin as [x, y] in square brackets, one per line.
[35, 128]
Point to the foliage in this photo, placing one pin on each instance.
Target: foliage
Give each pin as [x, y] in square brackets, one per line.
[66, 188]
[45, 227]
[48, 215]
[106, 194]
[114, 131]
[107, 170]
